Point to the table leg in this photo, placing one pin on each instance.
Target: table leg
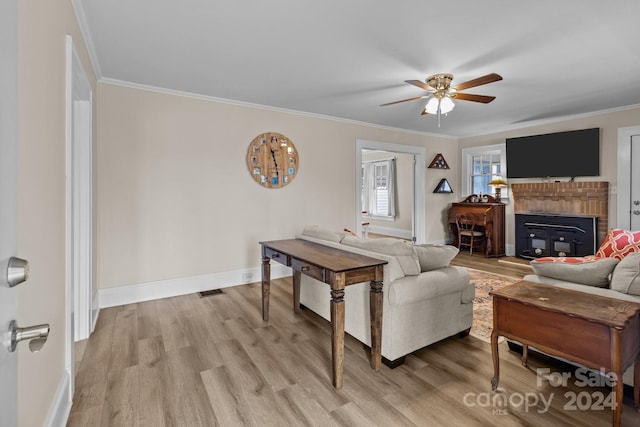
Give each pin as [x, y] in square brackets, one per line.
[375, 313]
[496, 360]
[489, 249]
[525, 354]
[296, 291]
[636, 382]
[266, 285]
[337, 335]
[618, 386]
[494, 346]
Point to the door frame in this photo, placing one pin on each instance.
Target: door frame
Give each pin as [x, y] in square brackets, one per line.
[623, 190]
[419, 153]
[79, 213]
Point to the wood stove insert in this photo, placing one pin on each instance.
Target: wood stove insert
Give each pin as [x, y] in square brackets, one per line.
[549, 234]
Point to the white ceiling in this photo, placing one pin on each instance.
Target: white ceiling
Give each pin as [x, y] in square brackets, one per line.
[343, 58]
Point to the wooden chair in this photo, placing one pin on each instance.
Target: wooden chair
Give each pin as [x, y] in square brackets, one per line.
[469, 234]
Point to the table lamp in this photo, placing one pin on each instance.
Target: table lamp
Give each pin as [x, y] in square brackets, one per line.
[497, 183]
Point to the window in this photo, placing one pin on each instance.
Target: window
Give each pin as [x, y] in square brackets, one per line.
[479, 166]
[378, 188]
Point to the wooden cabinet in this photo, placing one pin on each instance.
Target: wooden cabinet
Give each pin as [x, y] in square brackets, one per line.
[488, 214]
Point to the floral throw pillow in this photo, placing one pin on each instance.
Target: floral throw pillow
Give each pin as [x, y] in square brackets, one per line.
[619, 243]
[566, 259]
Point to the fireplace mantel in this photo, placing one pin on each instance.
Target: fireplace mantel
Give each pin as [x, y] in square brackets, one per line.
[579, 198]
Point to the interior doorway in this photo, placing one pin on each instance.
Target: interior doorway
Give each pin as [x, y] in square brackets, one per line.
[416, 177]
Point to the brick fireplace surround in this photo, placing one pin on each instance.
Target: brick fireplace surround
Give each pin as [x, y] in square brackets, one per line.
[575, 198]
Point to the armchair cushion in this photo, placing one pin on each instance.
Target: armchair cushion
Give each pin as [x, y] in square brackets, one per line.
[432, 257]
[401, 249]
[443, 281]
[323, 233]
[589, 271]
[626, 276]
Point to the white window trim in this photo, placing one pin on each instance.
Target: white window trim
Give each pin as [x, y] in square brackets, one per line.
[391, 176]
[467, 167]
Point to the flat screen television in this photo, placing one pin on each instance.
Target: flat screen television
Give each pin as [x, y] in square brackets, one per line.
[570, 154]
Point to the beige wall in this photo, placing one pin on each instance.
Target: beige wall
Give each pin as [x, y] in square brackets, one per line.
[43, 26]
[608, 124]
[175, 198]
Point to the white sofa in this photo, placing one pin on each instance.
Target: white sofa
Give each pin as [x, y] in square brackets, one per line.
[419, 307]
[607, 276]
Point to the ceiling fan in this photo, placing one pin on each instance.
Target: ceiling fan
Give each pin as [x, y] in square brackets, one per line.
[442, 94]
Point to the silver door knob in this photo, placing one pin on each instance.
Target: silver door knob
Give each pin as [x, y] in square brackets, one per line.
[36, 335]
[17, 271]
[636, 202]
[636, 212]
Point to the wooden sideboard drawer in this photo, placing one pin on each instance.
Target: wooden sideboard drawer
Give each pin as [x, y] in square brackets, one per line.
[308, 269]
[276, 256]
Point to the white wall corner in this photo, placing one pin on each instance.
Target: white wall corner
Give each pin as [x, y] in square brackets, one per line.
[130, 294]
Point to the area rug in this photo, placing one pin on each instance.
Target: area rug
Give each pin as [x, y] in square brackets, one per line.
[482, 304]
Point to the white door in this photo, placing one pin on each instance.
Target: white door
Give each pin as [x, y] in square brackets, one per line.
[635, 183]
[628, 184]
[8, 204]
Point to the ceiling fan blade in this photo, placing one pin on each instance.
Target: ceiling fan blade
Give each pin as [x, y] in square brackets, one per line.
[404, 100]
[475, 98]
[489, 78]
[420, 84]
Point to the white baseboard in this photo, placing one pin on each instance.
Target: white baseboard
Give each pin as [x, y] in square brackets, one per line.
[394, 232]
[61, 405]
[510, 250]
[95, 311]
[129, 294]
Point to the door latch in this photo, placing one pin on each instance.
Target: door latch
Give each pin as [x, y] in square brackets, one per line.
[17, 271]
[36, 335]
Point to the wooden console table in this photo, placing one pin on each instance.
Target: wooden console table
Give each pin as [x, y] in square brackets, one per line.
[595, 331]
[338, 269]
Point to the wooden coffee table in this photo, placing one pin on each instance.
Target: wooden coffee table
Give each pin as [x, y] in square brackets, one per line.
[595, 331]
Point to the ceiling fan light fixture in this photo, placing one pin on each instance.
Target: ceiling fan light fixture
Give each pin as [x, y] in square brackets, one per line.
[446, 105]
[441, 93]
[432, 106]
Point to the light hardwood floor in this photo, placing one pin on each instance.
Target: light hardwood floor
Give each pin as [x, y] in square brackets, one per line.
[191, 361]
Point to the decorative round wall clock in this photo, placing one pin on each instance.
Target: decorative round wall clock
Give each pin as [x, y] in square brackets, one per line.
[272, 160]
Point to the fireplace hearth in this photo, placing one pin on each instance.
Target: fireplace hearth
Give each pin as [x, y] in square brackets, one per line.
[579, 198]
[550, 234]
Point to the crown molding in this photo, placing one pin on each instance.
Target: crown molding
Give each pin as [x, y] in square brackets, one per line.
[116, 82]
[86, 35]
[552, 120]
